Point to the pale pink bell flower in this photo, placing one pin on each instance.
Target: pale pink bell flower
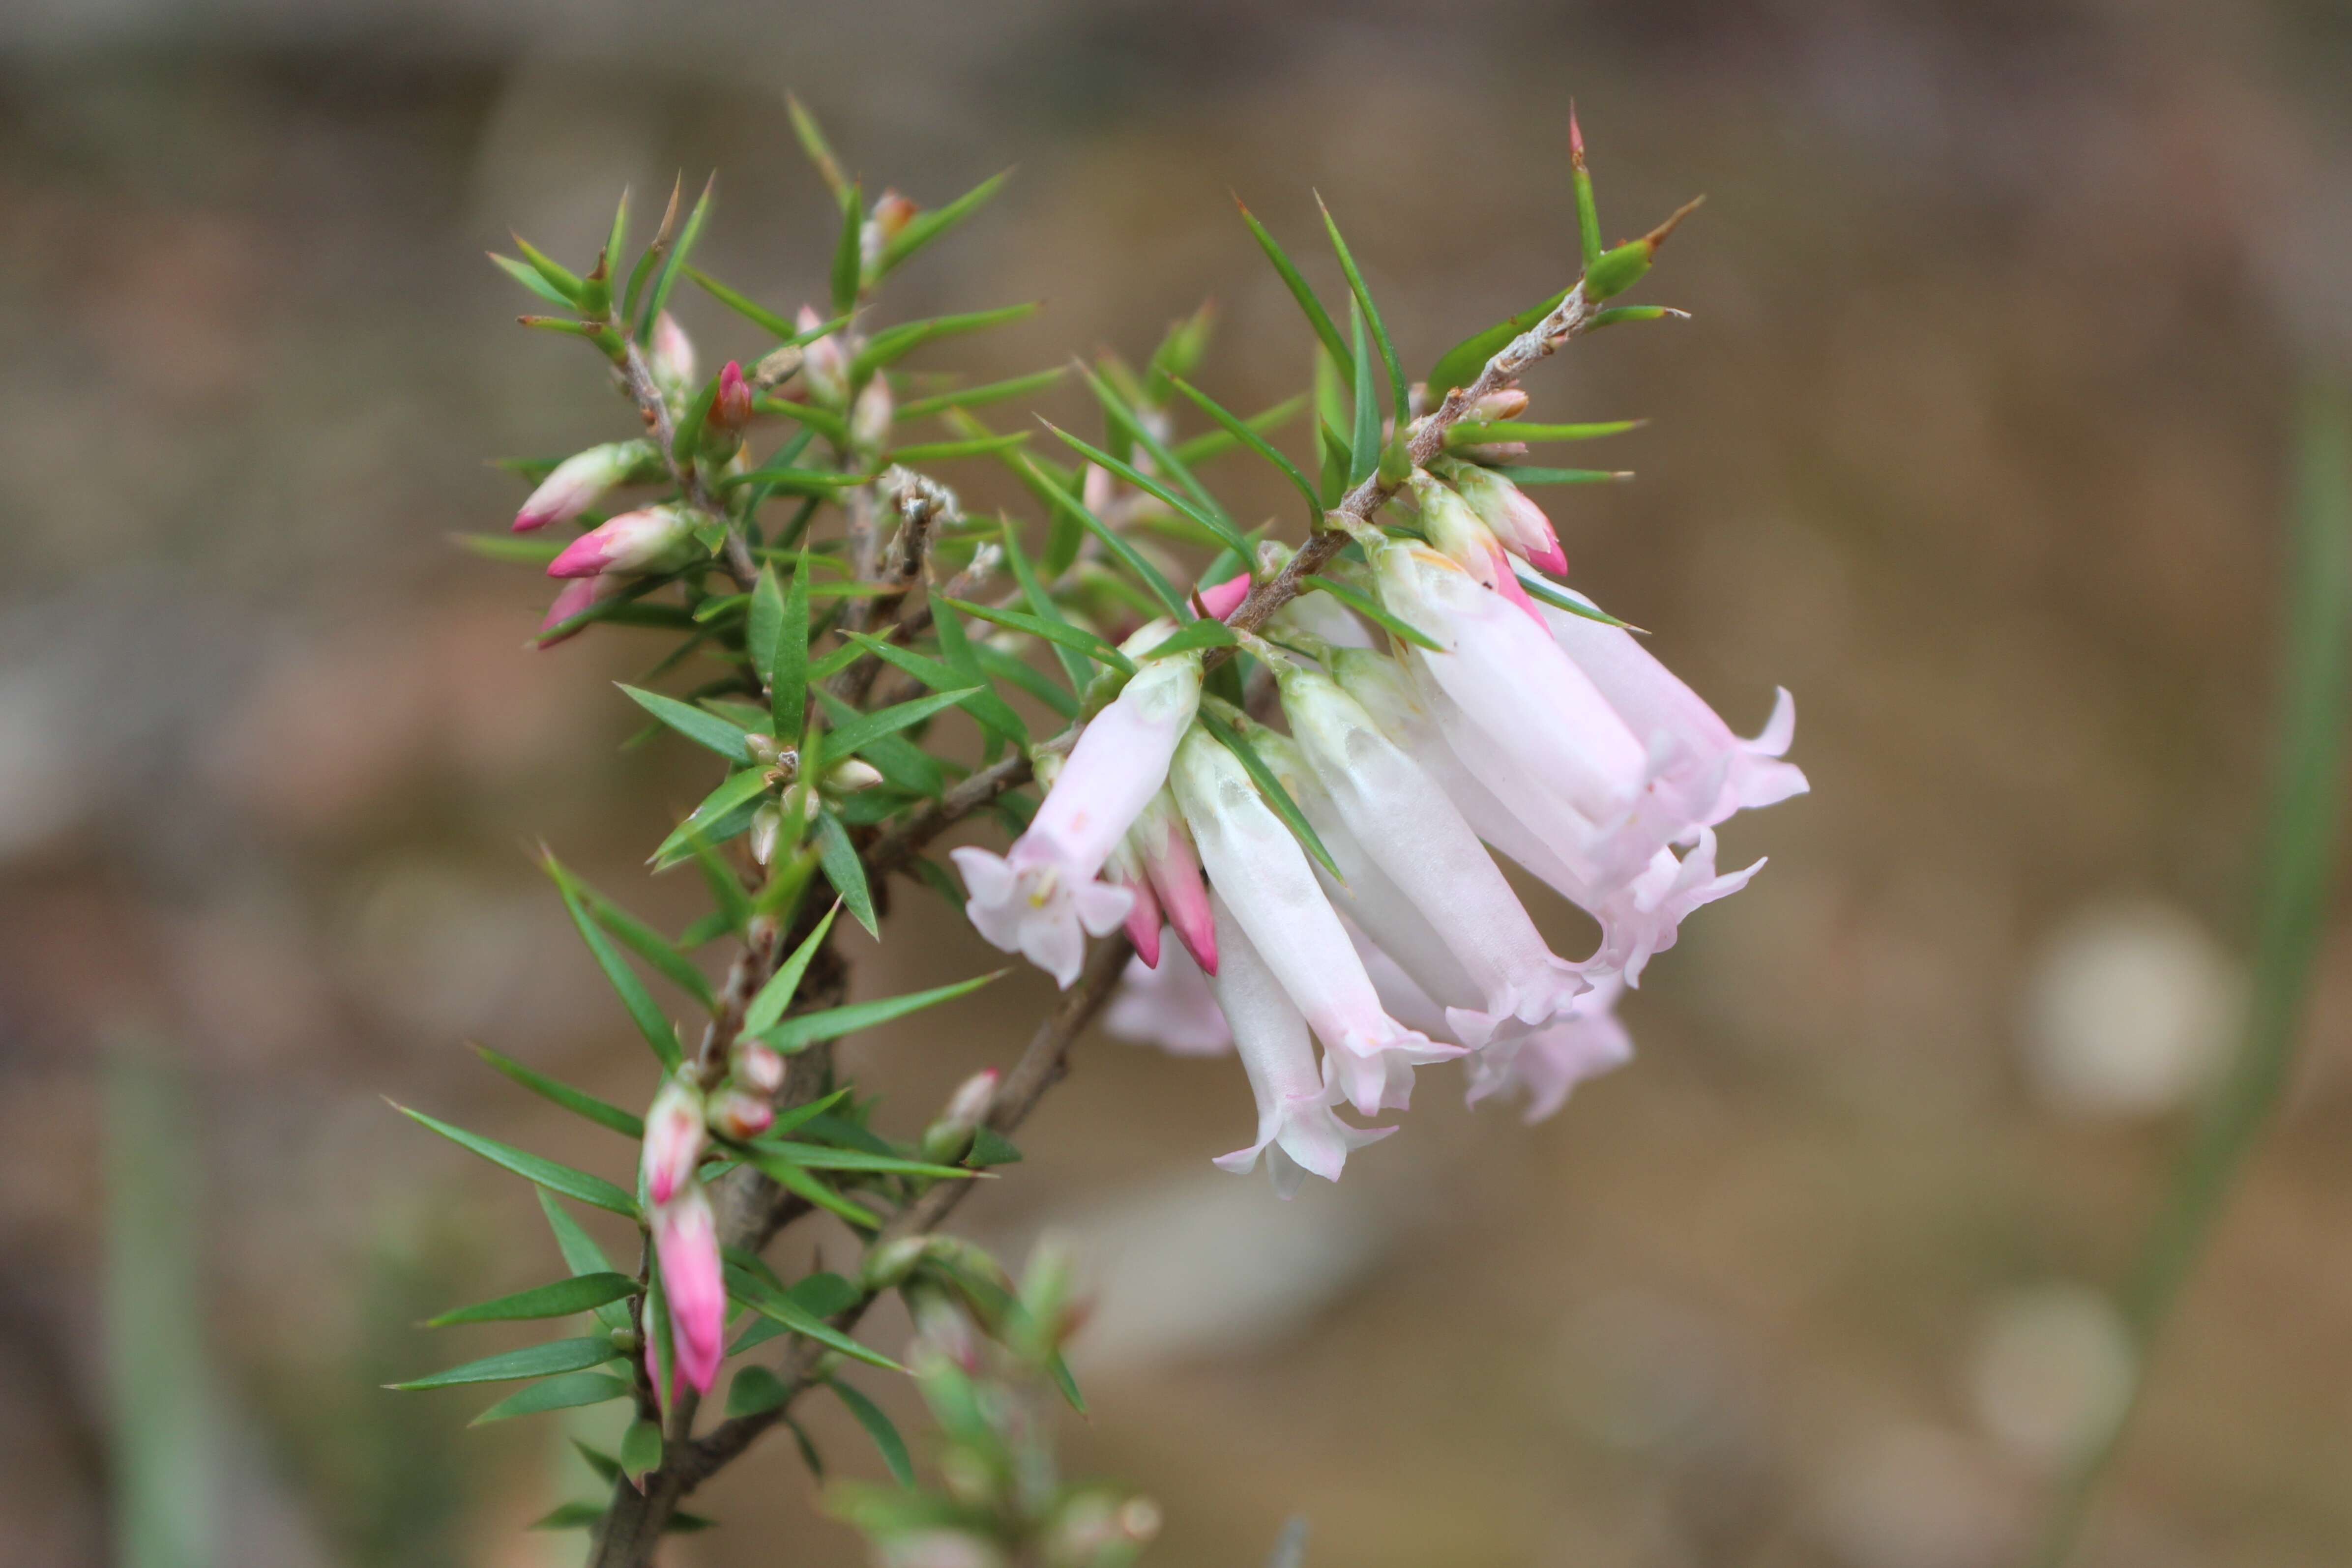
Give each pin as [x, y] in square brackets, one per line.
[1170, 1005]
[1299, 1131]
[686, 1240]
[1554, 1059]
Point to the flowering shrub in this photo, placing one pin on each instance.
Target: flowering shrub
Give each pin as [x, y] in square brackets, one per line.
[1302, 768]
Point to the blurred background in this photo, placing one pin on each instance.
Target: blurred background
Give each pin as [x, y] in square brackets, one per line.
[1978, 442]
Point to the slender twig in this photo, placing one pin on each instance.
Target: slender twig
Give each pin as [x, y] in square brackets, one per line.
[639, 377]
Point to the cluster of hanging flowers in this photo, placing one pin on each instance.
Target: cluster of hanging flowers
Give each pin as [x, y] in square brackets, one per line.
[1339, 884]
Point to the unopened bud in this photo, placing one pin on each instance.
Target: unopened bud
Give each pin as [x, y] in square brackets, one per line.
[892, 214]
[1095, 490]
[580, 481]
[937, 1548]
[949, 1139]
[888, 1265]
[870, 421]
[636, 541]
[1620, 269]
[824, 369]
[739, 1115]
[730, 411]
[624, 1340]
[767, 826]
[1508, 403]
[759, 1068]
[766, 750]
[944, 1327]
[673, 1141]
[851, 774]
[673, 354]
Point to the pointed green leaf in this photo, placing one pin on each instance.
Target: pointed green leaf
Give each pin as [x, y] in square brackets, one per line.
[763, 625]
[1122, 414]
[980, 396]
[1479, 432]
[1587, 214]
[1145, 572]
[892, 344]
[823, 1158]
[754, 1389]
[774, 997]
[983, 704]
[759, 315]
[838, 857]
[1246, 433]
[941, 451]
[1364, 443]
[991, 1147]
[1542, 587]
[708, 821]
[641, 1450]
[1216, 443]
[570, 1516]
[1061, 633]
[878, 1427]
[536, 1361]
[649, 1018]
[657, 297]
[616, 241]
[507, 548]
[1526, 477]
[701, 727]
[863, 730]
[1218, 526]
[577, 1101]
[689, 434]
[1365, 605]
[1372, 313]
[1459, 365]
[582, 1255]
[796, 1033]
[814, 145]
[848, 265]
[572, 1184]
[530, 279]
[561, 1300]
[1041, 604]
[926, 226]
[647, 943]
[565, 1392]
[1276, 797]
[788, 687]
[1317, 316]
[1205, 632]
[1618, 314]
[1019, 673]
[770, 1303]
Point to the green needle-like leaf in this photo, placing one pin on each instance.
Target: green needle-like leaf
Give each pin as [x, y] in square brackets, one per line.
[1372, 313]
[1122, 414]
[796, 1033]
[537, 1360]
[529, 278]
[1527, 478]
[767, 1302]
[868, 728]
[980, 396]
[641, 1451]
[1112, 540]
[759, 315]
[582, 1255]
[1478, 431]
[838, 858]
[1061, 633]
[1218, 526]
[561, 1178]
[943, 451]
[926, 226]
[788, 680]
[983, 704]
[847, 265]
[878, 1427]
[1205, 632]
[566, 1392]
[657, 297]
[813, 145]
[1216, 443]
[1041, 604]
[579, 1102]
[892, 344]
[714, 821]
[1246, 433]
[1540, 586]
[561, 1300]
[1459, 365]
[1370, 609]
[774, 997]
[647, 943]
[702, 728]
[649, 1018]
[1364, 443]
[1317, 316]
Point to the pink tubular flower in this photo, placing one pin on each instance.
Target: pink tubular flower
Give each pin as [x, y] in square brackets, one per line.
[580, 481]
[1458, 534]
[1163, 849]
[686, 1240]
[577, 597]
[1269, 890]
[1037, 897]
[673, 1140]
[1143, 913]
[1554, 1059]
[1171, 1006]
[1298, 1131]
[1416, 836]
[1505, 508]
[1654, 703]
[1223, 599]
[636, 541]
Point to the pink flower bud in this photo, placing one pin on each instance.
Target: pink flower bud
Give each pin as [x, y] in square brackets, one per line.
[1508, 403]
[892, 214]
[870, 419]
[1143, 913]
[673, 1141]
[1163, 847]
[1223, 599]
[1505, 508]
[686, 1240]
[740, 1115]
[673, 353]
[732, 409]
[1458, 533]
[1095, 491]
[633, 542]
[824, 368]
[579, 482]
[759, 1068]
[969, 1105]
[577, 597]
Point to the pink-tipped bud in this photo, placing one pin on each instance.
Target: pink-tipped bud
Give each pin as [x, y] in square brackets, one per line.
[1508, 403]
[1223, 599]
[740, 1115]
[1575, 136]
[1506, 509]
[686, 1240]
[870, 419]
[1495, 451]
[730, 411]
[673, 353]
[1144, 914]
[633, 542]
[575, 598]
[1164, 846]
[674, 1140]
[1457, 533]
[580, 481]
[824, 368]
[892, 214]
[759, 1068]
[950, 1137]
[1095, 491]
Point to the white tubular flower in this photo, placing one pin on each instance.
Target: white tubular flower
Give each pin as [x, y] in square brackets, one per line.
[1298, 1131]
[1270, 892]
[1320, 615]
[1037, 897]
[1403, 996]
[1638, 919]
[1554, 1059]
[1514, 683]
[1172, 1006]
[1405, 823]
[1654, 702]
